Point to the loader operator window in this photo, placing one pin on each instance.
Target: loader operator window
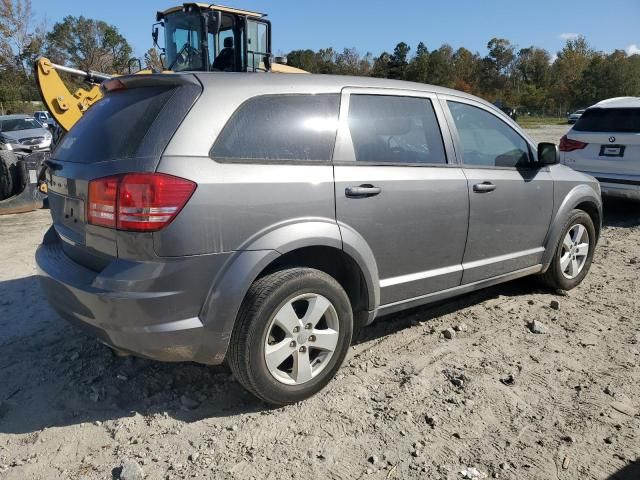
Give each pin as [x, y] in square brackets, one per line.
[183, 33]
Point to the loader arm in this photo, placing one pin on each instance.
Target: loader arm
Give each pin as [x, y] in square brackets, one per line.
[66, 107]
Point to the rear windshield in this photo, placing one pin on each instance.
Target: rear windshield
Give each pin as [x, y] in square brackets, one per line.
[115, 127]
[623, 120]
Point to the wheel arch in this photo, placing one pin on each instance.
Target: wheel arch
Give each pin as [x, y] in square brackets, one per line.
[315, 244]
[581, 197]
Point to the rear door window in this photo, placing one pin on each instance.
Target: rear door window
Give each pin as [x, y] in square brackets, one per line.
[280, 128]
[115, 127]
[390, 129]
[618, 120]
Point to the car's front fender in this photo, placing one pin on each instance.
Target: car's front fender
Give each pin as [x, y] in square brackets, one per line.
[578, 195]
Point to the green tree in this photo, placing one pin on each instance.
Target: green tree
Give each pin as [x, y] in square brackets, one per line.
[441, 70]
[532, 66]
[567, 69]
[466, 67]
[606, 76]
[21, 42]
[399, 61]
[418, 69]
[382, 66]
[501, 55]
[89, 45]
[349, 62]
[153, 61]
[304, 59]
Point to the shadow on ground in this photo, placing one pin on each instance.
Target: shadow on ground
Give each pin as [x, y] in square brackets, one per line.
[630, 472]
[54, 375]
[621, 213]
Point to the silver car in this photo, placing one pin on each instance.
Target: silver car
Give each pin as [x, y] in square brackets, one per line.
[260, 219]
[575, 116]
[23, 134]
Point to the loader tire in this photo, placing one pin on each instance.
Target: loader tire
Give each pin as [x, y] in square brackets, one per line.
[7, 174]
[21, 177]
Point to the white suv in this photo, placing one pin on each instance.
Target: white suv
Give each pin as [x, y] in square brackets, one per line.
[605, 143]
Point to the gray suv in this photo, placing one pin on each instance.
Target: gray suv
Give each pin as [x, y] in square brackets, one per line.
[260, 219]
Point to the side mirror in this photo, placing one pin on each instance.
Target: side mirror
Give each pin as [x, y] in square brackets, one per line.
[214, 23]
[154, 34]
[548, 154]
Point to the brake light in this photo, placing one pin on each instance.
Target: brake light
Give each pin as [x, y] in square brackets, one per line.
[139, 202]
[102, 201]
[568, 145]
[112, 85]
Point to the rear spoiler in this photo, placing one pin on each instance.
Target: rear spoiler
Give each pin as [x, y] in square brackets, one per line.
[138, 80]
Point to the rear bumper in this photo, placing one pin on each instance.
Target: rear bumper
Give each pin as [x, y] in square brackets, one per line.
[621, 188]
[150, 309]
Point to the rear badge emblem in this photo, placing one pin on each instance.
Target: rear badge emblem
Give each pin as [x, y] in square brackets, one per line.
[612, 139]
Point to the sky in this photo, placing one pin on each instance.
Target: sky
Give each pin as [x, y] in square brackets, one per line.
[375, 26]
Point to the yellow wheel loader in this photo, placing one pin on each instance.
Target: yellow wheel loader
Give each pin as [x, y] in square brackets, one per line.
[197, 37]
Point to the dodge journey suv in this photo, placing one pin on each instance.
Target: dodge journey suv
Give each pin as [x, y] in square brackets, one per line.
[260, 219]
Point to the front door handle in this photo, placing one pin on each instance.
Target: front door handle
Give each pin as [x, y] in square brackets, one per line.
[363, 191]
[484, 187]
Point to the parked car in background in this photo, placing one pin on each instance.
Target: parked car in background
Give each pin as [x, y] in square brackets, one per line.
[45, 118]
[261, 219]
[605, 143]
[573, 117]
[23, 134]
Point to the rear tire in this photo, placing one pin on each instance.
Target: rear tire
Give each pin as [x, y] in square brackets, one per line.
[574, 253]
[291, 336]
[8, 174]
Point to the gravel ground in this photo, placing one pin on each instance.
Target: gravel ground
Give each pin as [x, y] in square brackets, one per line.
[496, 401]
[548, 133]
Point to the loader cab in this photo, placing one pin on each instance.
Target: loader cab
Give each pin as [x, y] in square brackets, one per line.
[201, 37]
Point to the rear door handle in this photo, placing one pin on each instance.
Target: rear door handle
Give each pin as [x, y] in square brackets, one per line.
[484, 187]
[363, 191]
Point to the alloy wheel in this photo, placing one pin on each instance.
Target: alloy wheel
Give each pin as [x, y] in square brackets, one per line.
[301, 338]
[575, 250]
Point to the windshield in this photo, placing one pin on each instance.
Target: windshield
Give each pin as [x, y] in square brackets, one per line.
[16, 124]
[183, 32]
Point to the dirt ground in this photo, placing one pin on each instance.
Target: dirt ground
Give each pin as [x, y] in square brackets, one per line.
[496, 401]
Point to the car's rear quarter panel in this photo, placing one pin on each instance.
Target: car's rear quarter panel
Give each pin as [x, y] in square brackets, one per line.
[237, 203]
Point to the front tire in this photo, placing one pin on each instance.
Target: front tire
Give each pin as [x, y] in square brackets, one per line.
[291, 336]
[574, 253]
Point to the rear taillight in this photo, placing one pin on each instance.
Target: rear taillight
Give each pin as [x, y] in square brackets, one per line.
[102, 201]
[112, 85]
[568, 145]
[139, 202]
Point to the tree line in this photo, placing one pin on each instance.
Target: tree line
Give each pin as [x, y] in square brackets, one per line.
[529, 78]
[79, 42]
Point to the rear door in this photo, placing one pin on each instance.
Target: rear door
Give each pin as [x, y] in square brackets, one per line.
[396, 189]
[610, 143]
[510, 200]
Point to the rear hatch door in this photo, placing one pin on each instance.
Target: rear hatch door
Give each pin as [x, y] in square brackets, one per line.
[612, 136]
[126, 131]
